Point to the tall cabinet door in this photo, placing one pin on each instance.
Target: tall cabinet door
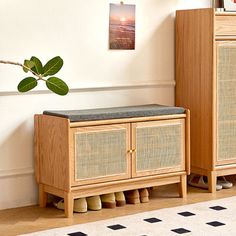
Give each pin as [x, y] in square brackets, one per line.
[100, 154]
[226, 102]
[158, 147]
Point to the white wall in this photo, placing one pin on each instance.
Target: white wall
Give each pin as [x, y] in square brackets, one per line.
[77, 30]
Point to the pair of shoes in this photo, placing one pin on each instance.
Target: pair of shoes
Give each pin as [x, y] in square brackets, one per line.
[82, 205]
[224, 183]
[94, 203]
[137, 196]
[111, 200]
[200, 181]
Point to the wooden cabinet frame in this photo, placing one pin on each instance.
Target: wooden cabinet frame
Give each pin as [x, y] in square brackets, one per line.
[55, 161]
[198, 32]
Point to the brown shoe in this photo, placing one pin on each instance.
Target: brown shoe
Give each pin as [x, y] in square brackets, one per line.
[120, 199]
[132, 196]
[144, 195]
[108, 200]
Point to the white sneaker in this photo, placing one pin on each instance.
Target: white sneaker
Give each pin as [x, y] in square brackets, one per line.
[224, 183]
[200, 181]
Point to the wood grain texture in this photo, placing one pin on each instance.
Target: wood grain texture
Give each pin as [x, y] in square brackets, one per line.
[135, 181]
[187, 142]
[54, 191]
[69, 204]
[183, 186]
[225, 25]
[212, 181]
[200, 33]
[42, 196]
[93, 190]
[126, 120]
[55, 141]
[54, 151]
[36, 148]
[194, 79]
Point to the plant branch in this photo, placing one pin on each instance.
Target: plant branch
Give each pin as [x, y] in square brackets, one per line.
[23, 66]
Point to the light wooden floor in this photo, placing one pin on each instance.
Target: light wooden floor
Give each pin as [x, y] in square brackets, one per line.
[31, 219]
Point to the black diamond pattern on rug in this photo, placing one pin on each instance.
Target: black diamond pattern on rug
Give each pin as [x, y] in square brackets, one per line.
[181, 231]
[218, 208]
[116, 227]
[186, 213]
[152, 220]
[215, 223]
[77, 234]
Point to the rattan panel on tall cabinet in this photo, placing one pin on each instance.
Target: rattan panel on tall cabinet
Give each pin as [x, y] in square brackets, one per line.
[206, 84]
[226, 101]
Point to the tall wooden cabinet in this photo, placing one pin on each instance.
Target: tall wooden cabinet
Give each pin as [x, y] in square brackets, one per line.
[206, 84]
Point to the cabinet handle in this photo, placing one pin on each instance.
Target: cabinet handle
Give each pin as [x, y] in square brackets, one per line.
[131, 151]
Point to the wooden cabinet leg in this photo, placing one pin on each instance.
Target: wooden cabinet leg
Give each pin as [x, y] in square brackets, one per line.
[69, 204]
[42, 196]
[212, 181]
[183, 186]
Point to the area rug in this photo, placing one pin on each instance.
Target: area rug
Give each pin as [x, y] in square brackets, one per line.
[211, 218]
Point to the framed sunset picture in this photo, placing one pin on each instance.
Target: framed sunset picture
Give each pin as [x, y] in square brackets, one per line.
[122, 27]
[230, 5]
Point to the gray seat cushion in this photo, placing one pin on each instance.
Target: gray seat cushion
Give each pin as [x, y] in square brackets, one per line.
[117, 112]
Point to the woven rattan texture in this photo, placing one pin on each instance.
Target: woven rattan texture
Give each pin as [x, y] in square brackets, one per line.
[100, 153]
[158, 147]
[226, 102]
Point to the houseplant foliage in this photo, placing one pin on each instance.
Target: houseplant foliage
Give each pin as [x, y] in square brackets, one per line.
[40, 72]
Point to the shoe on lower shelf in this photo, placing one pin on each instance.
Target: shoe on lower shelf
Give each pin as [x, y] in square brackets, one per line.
[120, 199]
[200, 181]
[80, 205]
[108, 200]
[144, 195]
[221, 180]
[94, 203]
[132, 196]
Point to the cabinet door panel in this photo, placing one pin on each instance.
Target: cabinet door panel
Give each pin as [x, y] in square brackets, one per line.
[226, 102]
[225, 25]
[100, 154]
[159, 147]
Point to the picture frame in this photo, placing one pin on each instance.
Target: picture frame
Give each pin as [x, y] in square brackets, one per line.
[229, 5]
[122, 26]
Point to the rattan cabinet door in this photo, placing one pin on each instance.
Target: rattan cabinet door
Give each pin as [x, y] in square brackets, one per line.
[226, 103]
[158, 147]
[100, 153]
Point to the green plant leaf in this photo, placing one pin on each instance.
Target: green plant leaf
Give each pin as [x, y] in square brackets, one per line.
[27, 84]
[38, 67]
[57, 86]
[28, 64]
[52, 66]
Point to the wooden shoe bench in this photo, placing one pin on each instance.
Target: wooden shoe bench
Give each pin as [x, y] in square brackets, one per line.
[92, 152]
